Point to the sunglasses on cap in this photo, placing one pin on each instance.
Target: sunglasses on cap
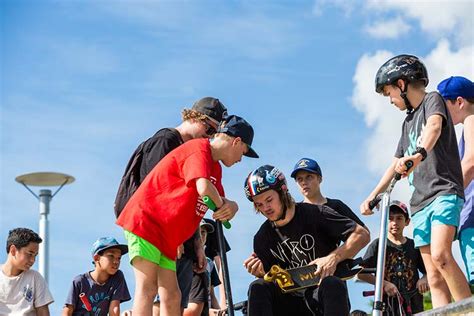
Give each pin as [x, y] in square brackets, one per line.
[210, 130]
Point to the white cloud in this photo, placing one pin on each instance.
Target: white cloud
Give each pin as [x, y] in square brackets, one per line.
[388, 28]
[439, 18]
[379, 113]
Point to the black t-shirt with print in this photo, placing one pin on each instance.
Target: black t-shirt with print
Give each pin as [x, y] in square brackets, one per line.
[402, 264]
[314, 232]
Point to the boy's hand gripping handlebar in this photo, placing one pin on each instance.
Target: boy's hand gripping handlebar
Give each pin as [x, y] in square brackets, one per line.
[395, 178]
[212, 206]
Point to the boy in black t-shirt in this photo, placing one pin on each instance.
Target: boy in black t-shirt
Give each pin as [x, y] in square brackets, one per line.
[402, 264]
[308, 177]
[294, 235]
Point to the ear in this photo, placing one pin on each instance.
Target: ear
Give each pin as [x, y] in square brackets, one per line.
[96, 258]
[460, 102]
[401, 84]
[407, 221]
[320, 179]
[236, 141]
[13, 250]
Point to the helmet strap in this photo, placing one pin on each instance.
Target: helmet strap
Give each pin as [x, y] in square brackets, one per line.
[403, 94]
[284, 202]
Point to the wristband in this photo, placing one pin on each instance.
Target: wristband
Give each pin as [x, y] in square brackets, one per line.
[422, 151]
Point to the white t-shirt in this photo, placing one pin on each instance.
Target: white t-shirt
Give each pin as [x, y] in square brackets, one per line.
[20, 295]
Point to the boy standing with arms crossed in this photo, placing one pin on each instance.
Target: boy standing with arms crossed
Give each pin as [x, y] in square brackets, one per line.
[429, 141]
[167, 209]
[459, 95]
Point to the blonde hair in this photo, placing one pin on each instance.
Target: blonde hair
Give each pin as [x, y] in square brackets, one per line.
[192, 115]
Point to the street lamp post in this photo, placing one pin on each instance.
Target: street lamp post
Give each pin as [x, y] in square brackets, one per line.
[44, 179]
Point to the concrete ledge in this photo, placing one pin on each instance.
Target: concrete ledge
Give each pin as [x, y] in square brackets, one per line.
[461, 308]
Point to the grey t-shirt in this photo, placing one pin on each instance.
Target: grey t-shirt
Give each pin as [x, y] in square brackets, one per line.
[440, 173]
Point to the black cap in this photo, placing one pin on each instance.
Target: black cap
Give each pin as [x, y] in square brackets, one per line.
[236, 126]
[212, 108]
[399, 207]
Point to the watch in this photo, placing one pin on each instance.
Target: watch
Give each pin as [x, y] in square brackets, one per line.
[422, 151]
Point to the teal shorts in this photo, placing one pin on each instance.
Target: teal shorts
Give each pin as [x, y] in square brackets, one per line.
[444, 210]
[139, 247]
[466, 243]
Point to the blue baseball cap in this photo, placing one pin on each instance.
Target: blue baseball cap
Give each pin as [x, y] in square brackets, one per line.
[457, 86]
[104, 243]
[306, 164]
[236, 126]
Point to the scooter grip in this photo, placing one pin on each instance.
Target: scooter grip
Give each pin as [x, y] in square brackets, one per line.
[212, 206]
[375, 202]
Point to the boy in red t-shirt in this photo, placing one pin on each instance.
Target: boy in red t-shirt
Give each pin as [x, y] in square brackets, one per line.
[167, 209]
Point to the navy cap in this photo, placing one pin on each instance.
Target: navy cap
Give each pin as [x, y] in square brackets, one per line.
[236, 126]
[104, 243]
[212, 108]
[454, 87]
[306, 164]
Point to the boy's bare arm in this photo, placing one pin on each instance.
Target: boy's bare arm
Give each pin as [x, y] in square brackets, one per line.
[357, 240]
[67, 310]
[381, 187]
[467, 162]
[226, 208]
[114, 308]
[431, 134]
[43, 310]
[368, 278]
[205, 187]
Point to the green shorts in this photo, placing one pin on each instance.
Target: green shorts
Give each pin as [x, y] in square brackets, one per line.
[444, 210]
[139, 247]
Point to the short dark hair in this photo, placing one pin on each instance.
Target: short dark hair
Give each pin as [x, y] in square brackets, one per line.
[21, 237]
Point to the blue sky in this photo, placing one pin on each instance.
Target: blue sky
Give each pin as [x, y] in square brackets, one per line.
[84, 82]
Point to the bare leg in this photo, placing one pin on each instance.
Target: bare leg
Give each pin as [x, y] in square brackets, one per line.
[146, 286]
[170, 295]
[440, 294]
[156, 309]
[194, 309]
[442, 257]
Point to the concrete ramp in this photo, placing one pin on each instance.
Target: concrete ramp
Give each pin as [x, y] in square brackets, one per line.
[461, 308]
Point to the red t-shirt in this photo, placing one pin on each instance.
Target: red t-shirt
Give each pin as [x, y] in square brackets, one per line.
[166, 208]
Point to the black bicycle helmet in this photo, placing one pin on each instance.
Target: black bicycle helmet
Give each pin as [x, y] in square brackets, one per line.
[406, 67]
[263, 179]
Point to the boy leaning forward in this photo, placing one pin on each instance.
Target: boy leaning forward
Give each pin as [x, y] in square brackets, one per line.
[167, 209]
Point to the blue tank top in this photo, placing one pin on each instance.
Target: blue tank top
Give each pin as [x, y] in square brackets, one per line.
[467, 213]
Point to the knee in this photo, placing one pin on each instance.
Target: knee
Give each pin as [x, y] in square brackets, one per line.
[147, 290]
[171, 299]
[259, 287]
[435, 279]
[441, 259]
[333, 283]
